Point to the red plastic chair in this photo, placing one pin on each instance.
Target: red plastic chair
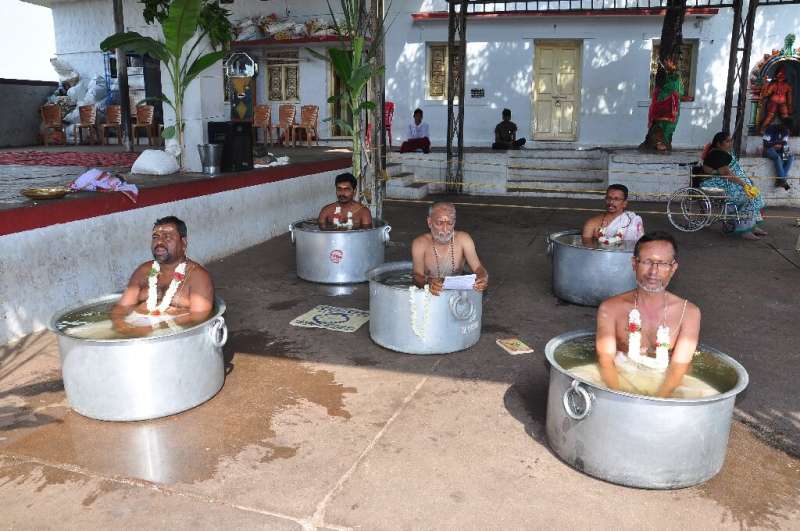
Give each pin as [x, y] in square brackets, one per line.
[388, 114]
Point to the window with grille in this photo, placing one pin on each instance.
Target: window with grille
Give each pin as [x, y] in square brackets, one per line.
[687, 67]
[437, 71]
[283, 83]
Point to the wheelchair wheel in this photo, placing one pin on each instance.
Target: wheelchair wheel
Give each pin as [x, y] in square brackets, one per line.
[689, 210]
[730, 218]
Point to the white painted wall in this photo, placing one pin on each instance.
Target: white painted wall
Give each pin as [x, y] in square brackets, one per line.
[615, 74]
[616, 54]
[89, 258]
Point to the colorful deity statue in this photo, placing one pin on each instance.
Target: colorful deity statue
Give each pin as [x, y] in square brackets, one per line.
[776, 98]
[665, 106]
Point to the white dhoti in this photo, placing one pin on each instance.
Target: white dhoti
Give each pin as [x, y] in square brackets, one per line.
[640, 381]
[627, 226]
[105, 329]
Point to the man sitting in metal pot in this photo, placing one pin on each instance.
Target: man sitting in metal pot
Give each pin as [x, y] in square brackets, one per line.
[443, 252]
[345, 213]
[172, 290]
[647, 337]
[616, 224]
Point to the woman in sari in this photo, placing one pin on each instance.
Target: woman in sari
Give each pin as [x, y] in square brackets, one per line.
[719, 161]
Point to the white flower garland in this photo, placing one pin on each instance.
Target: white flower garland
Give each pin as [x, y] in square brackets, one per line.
[153, 306]
[661, 361]
[338, 224]
[426, 312]
[609, 240]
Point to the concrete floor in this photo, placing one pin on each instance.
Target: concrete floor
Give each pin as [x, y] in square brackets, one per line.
[320, 429]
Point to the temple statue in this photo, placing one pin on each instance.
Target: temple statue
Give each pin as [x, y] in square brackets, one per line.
[776, 98]
[665, 106]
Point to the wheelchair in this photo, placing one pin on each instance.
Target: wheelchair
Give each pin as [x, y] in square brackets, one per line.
[695, 207]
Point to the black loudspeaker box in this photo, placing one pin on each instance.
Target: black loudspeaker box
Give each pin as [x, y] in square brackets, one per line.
[237, 140]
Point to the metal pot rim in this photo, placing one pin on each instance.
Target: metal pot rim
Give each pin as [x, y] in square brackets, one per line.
[552, 239]
[743, 378]
[51, 325]
[379, 224]
[390, 266]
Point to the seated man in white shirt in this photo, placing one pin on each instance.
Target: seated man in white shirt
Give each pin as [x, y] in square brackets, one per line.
[417, 135]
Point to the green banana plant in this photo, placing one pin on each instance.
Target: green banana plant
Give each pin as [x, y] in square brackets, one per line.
[354, 66]
[178, 28]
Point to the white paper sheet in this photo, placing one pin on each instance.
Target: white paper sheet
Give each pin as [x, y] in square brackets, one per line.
[460, 282]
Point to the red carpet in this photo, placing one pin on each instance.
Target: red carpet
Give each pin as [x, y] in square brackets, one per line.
[67, 158]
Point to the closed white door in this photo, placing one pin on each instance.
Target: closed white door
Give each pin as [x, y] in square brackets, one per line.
[556, 90]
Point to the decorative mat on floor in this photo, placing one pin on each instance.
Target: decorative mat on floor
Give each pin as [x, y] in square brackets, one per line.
[332, 318]
[67, 158]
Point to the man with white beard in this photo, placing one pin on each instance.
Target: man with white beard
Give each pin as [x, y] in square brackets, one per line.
[648, 326]
[443, 251]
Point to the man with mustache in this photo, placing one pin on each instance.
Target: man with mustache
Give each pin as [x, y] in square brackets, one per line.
[345, 213]
[444, 251]
[616, 224]
[660, 316]
[170, 290]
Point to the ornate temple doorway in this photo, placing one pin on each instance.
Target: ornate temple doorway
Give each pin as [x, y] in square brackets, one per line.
[556, 89]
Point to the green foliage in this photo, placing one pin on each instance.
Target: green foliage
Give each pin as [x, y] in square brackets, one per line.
[213, 19]
[179, 24]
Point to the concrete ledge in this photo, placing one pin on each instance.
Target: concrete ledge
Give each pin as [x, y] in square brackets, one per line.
[60, 265]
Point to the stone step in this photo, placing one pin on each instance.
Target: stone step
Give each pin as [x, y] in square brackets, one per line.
[412, 191]
[393, 168]
[556, 164]
[556, 187]
[544, 153]
[557, 175]
[400, 179]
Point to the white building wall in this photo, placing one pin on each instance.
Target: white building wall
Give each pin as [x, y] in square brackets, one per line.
[615, 65]
[615, 70]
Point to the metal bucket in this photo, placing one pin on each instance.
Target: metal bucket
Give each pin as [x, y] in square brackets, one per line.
[589, 275]
[337, 257]
[142, 378]
[210, 158]
[633, 440]
[454, 317]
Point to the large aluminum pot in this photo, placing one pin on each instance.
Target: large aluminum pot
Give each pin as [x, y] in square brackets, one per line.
[454, 317]
[589, 275]
[633, 440]
[143, 378]
[337, 257]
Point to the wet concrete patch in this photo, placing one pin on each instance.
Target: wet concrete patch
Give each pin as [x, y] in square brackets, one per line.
[284, 305]
[40, 477]
[191, 446]
[758, 486]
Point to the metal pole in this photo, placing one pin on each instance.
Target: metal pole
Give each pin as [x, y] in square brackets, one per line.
[378, 89]
[456, 31]
[733, 61]
[122, 79]
[744, 70]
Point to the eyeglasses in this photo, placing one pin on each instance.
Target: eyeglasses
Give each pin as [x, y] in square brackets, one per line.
[658, 265]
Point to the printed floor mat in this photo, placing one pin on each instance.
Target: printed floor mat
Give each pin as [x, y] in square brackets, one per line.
[332, 318]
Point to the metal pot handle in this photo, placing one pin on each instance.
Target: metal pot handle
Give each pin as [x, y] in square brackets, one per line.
[291, 232]
[218, 332]
[572, 395]
[386, 230]
[548, 245]
[461, 307]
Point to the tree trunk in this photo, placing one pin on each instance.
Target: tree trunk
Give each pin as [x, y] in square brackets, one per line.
[122, 79]
[378, 96]
[669, 50]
